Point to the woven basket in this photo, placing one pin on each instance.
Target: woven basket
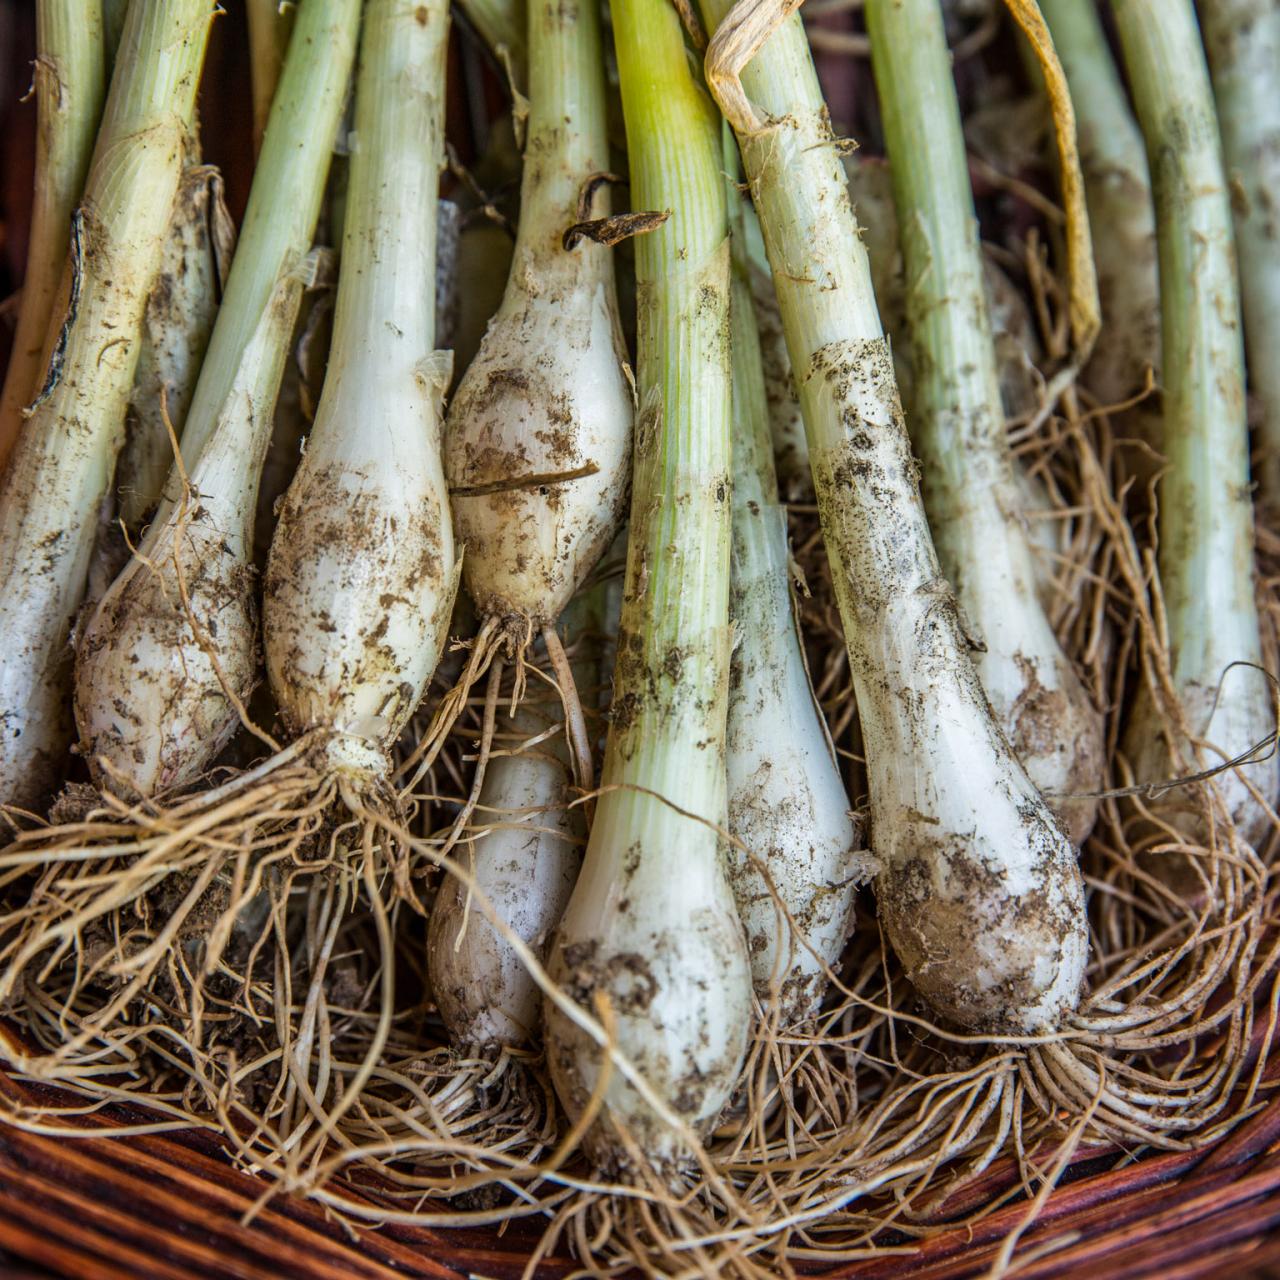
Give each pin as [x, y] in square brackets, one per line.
[171, 1207]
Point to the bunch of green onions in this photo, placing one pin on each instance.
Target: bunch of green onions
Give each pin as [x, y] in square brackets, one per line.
[642, 925]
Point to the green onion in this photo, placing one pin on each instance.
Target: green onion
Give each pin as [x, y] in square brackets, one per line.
[178, 628]
[538, 436]
[1206, 515]
[958, 418]
[979, 890]
[361, 576]
[1243, 42]
[651, 932]
[788, 809]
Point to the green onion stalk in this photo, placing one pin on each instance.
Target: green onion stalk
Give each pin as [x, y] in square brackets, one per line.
[797, 847]
[1205, 508]
[1242, 38]
[362, 573]
[61, 467]
[1117, 187]
[971, 495]
[70, 78]
[178, 627]
[651, 939]
[978, 891]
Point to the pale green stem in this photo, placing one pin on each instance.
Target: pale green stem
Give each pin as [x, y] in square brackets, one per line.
[1118, 192]
[277, 231]
[1206, 513]
[389, 229]
[62, 466]
[678, 550]
[70, 83]
[566, 138]
[1243, 42]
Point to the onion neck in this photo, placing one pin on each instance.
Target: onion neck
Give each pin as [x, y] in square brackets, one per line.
[566, 142]
[387, 284]
[281, 216]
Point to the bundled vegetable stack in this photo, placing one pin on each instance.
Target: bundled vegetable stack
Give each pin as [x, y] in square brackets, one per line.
[283, 859]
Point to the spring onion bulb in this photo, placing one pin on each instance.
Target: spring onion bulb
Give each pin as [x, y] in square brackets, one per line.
[978, 888]
[525, 863]
[972, 498]
[651, 933]
[1242, 38]
[178, 627]
[70, 79]
[539, 430]
[786, 800]
[1206, 515]
[360, 578]
[1118, 191]
[176, 327]
[63, 462]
